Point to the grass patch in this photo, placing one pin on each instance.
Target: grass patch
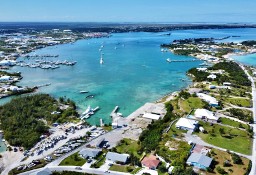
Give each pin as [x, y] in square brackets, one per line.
[227, 121]
[122, 168]
[242, 102]
[107, 128]
[227, 138]
[128, 146]
[100, 161]
[73, 160]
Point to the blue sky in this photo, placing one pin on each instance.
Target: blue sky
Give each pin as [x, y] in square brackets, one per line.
[128, 10]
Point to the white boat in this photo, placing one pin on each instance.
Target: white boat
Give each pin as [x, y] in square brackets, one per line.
[83, 92]
[168, 60]
[87, 110]
[101, 60]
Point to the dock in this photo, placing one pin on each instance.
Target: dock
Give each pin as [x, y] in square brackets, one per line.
[113, 113]
[185, 60]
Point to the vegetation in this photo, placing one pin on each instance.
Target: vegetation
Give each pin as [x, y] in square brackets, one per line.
[236, 73]
[219, 159]
[198, 75]
[236, 159]
[241, 114]
[123, 168]
[22, 119]
[249, 43]
[229, 138]
[227, 121]
[129, 146]
[151, 136]
[242, 102]
[73, 160]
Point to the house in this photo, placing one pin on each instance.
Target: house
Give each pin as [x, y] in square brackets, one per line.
[116, 157]
[227, 84]
[186, 124]
[199, 160]
[89, 152]
[203, 69]
[150, 162]
[212, 76]
[200, 149]
[209, 99]
[204, 114]
[5, 78]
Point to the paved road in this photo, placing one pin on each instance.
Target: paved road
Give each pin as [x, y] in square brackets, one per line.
[73, 169]
[253, 170]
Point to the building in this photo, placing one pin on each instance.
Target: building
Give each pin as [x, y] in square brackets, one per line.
[209, 99]
[89, 152]
[5, 78]
[100, 143]
[186, 124]
[227, 84]
[204, 114]
[200, 149]
[116, 157]
[151, 116]
[212, 76]
[199, 160]
[150, 162]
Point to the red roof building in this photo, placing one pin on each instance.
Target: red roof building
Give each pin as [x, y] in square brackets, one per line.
[151, 162]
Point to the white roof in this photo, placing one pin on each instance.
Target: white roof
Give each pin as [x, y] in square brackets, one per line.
[199, 113]
[186, 123]
[207, 98]
[151, 116]
[201, 68]
[212, 76]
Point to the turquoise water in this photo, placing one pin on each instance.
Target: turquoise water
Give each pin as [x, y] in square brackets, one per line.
[134, 73]
[249, 59]
[2, 145]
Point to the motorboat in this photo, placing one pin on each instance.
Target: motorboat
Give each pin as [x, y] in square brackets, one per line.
[83, 92]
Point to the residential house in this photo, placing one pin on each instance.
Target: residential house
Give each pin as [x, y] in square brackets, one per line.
[204, 114]
[209, 99]
[89, 152]
[186, 124]
[116, 157]
[199, 160]
[150, 162]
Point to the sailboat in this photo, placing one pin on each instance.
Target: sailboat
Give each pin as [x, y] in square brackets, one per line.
[101, 60]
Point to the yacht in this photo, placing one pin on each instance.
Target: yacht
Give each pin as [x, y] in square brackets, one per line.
[83, 92]
[168, 60]
[203, 64]
[87, 110]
